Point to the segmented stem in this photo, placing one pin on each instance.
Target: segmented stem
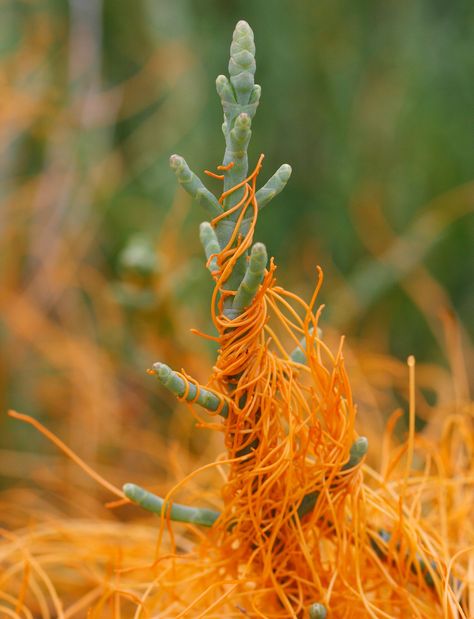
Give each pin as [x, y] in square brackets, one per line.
[273, 186]
[210, 244]
[239, 97]
[188, 390]
[179, 513]
[194, 186]
[253, 277]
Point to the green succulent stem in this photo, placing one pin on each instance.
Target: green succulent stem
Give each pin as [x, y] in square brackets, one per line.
[179, 513]
[203, 516]
[175, 383]
[238, 115]
[317, 611]
[252, 279]
[210, 244]
[273, 186]
[194, 186]
[239, 97]
[357, 452]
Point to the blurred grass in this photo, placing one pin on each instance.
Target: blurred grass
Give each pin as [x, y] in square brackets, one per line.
[100, 268]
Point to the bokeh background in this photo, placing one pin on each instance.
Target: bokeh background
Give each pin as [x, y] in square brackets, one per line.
[101, 272]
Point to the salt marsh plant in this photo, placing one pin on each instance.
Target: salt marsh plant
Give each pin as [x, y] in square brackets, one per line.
[299, 531]
[305, 528]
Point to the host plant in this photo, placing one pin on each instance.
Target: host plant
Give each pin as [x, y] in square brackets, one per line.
[294, 506]
[305, 528]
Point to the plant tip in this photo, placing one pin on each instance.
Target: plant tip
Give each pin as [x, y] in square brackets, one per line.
[360, 446]
[317, 611]
[128, 489]
[160, 369]
[242, 25]
[285, 171]
[175, 161]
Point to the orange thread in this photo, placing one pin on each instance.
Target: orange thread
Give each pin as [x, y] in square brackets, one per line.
[219, 177]
[361, 545]
[67, 450]
[226, 167]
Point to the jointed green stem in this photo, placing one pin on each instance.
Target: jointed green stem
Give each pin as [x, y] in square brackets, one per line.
[242, 62]
[178, 385]
[203, 516]
[239, 97]
[207, 517]
[273, 186]
[210, 243]
[194, 186]
[237, 141]
[179, 513]
[307, 504]
[253, 277]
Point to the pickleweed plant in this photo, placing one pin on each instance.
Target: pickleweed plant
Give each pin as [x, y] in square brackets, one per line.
[291, 443]
[293, 521]
[302, 527]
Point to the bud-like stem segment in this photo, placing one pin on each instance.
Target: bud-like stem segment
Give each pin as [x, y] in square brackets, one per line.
[273, 186]
[239, 97]
[253, 277]
[357, 452]
[194, 186]
[317, 611]
[189, 390]
[210, 244]
[242, 61]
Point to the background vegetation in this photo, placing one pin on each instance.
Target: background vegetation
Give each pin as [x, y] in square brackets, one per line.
[101, 271]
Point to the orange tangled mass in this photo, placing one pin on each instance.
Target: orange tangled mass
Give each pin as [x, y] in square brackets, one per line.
[297, 525]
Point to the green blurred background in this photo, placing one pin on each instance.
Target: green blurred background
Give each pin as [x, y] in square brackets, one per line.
[101, 272]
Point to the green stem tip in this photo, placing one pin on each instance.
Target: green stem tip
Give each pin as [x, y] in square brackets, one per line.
[317, 611]
[242, 61]
[253, 277]
[194, 393]
[273, 186]
[210, 244]
[357, 452]
[194, 186]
